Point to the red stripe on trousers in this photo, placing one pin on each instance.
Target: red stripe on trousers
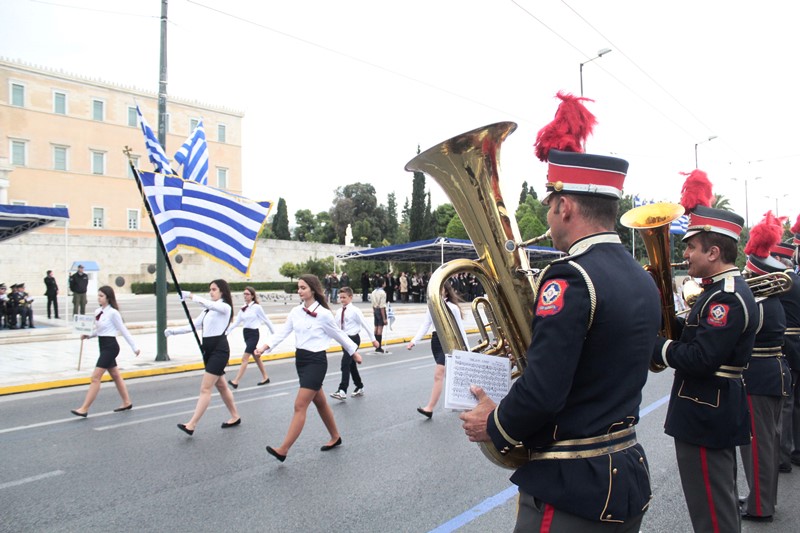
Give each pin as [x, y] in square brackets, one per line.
[547, 519]
[754, 457]
[707, 482]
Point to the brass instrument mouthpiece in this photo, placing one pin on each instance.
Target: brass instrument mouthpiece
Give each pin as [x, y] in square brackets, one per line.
[511, 246]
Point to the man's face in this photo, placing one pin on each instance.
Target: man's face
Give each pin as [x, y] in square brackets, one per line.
[700, 265]
[554, 222]
[80, 270]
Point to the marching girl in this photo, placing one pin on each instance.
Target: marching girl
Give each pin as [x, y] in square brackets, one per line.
[452, 300]
[313, 325]
[109, 323]
[213, 322]
[250, 317]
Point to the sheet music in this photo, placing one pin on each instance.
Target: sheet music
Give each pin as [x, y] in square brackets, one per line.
[462, 369]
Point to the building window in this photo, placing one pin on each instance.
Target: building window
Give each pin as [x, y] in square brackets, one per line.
[17, 95]
[98, 162]
[19, 202]
[98, 110]
[222, 178]
[135, 161]
[59, 158]
[133, 219]
[193, 122]
[60, 223]
[98, 217]
[59, 103]
[221, 133]
[19, 153]
[133, 117]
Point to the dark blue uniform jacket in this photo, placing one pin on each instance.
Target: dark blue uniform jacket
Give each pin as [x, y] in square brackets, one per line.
[768, 376]
[596, 320]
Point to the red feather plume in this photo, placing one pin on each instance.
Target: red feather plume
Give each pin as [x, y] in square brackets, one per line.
[764, 236]
[569, 129]
[796, 227]
[696, 190]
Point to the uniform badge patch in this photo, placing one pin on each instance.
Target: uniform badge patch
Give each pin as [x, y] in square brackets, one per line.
[551, 297]
[718, 315]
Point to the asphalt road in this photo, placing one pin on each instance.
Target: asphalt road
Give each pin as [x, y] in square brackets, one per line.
[396, 471]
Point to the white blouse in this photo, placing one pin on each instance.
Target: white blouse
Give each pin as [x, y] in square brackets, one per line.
[428, 323]
[251, 316]
[213, 321]
[109, 322]
[354, 321]
[312, 333]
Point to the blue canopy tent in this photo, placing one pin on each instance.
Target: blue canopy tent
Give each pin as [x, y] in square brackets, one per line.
[438, 250]
[18, 219]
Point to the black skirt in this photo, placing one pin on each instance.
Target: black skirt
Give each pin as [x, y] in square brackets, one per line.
[436, 347]
[250, 340]
[109, 350]
[216, 353]
[311, 368]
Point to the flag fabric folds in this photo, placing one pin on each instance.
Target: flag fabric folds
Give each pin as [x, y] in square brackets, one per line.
[213, 222]
[680, 225]
[193, 155]
[154, 150]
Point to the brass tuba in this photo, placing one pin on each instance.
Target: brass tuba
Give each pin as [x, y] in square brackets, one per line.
[466, 167]
[652, 222]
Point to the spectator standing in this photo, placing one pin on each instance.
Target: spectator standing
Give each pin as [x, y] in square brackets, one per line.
[78, 284]
[51, 291]
[344, 280]
[403, 288]
[365, 286]
[3, 306]
[334, 286]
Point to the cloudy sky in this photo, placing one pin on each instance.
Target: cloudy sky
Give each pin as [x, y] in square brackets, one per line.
[340, 92]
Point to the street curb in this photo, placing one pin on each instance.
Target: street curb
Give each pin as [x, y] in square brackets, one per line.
[190, 367]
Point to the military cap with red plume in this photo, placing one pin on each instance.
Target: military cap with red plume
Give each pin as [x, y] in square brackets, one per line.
[696, 197]
[796, 230]
[763, 236]
[560, 143]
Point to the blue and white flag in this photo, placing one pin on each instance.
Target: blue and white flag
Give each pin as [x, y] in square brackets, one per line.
[154, 150]
[215, 223]
[193, 155]
[680, 225]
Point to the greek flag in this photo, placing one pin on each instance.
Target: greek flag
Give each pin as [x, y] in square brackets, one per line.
[154, 150]
[193, 155]
[215, 223]
[639, 202]
[680, 225]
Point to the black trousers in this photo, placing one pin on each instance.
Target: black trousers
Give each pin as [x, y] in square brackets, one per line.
[52, 300]
[350, 367]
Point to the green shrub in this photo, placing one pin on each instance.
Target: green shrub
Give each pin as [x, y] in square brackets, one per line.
[200, 288]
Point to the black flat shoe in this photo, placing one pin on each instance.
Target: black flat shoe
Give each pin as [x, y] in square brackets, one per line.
[186, 430]
[232, 384]
[78, 413]
[327, 447]
[423, 412]
[230, 425]
[275, 454]
[264, 382]
[126, 408]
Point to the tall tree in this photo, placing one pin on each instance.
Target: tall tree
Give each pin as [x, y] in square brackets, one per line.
[443, 215]
[526, 191]
[720, 202]
[391, 219]
[429, 224]
[280, 224]
[416, 218]
[305, 225]
[353, 203]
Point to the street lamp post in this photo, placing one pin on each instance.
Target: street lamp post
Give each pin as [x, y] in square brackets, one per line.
[600, 53]
[746, 200]
[776, 198]
[710, 138]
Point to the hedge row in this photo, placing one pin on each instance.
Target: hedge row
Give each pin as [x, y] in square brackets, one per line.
[150, 288]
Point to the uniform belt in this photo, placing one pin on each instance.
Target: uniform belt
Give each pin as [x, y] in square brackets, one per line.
[792, 331]
[588, 447]
[767, 351]
[731, 372]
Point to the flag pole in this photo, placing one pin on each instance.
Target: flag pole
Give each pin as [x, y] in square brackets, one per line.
[163, 248]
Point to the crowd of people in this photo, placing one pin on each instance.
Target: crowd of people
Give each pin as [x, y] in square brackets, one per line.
[16, 307]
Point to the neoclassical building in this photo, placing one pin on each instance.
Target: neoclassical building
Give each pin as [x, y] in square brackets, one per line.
[62, 139]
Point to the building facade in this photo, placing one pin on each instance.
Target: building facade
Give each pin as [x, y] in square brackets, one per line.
[62, 139]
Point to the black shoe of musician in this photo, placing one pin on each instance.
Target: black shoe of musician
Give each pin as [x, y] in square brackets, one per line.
[755, 518]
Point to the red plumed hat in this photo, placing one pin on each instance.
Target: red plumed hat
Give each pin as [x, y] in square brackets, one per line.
[696, 190]
[796, 227]
[764, 236]
[569, 129]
